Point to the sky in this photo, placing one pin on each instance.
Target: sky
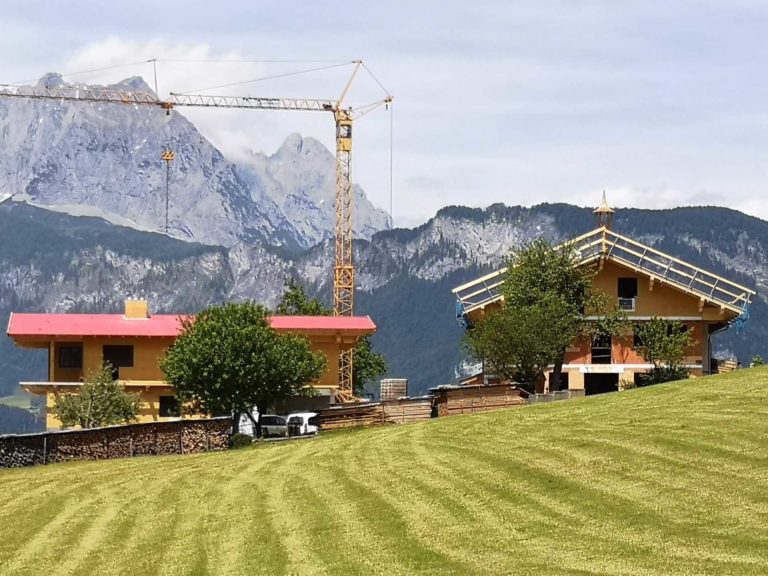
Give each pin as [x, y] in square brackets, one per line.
[658, 103]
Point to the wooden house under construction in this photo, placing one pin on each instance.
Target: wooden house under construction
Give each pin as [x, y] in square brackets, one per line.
[645, 283]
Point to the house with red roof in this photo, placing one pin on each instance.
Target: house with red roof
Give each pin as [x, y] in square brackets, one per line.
[135, 341]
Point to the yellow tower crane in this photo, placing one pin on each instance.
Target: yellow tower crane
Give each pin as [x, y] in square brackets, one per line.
[344, 268]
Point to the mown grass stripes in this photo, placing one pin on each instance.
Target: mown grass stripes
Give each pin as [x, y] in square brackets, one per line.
[665, 480]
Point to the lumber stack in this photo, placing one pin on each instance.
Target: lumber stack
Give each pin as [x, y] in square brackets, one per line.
[726, 366]
[350, 415]
[453, 400]
[405, 410]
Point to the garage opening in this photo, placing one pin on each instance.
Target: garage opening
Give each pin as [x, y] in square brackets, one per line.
[600, 383]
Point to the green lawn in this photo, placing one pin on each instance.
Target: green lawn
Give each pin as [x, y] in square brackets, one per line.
[665, 480]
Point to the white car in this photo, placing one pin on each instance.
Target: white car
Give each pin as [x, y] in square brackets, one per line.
[302, 423]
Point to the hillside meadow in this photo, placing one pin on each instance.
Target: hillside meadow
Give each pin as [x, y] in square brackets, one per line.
[665, 480]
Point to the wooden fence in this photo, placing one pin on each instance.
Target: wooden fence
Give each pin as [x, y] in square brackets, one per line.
[175, 437]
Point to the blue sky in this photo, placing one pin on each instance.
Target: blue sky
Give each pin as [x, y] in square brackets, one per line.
[659, 103]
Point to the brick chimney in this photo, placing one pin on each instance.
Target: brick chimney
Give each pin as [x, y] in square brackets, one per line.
[137, 309]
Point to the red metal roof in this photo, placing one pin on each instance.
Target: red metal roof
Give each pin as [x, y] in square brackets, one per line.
[361, 324]
[30, 326]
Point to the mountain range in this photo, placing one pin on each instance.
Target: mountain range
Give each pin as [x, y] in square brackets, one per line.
[103, 159]
[240, 230]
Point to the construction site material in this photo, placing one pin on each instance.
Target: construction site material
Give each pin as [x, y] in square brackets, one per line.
[722, 366]
[393, 388]
[407, 410]
[178, 437]
[451, 400]
[350, 416]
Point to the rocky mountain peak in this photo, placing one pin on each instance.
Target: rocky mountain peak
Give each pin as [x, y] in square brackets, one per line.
[133, 84]
[50, 80]
[295, 147]
[89, 158]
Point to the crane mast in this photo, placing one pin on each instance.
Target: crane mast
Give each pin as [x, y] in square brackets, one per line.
[344, 268]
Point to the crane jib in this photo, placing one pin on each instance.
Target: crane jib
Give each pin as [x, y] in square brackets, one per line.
[344, 270]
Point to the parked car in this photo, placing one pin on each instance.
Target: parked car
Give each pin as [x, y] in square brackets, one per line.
[272, 425]
[302, 423]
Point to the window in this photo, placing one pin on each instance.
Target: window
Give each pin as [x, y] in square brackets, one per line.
[636, 340]
[272, 421]
[118, 356]
[71, 356]
[169, 406]
[627, 290]
[601, 349]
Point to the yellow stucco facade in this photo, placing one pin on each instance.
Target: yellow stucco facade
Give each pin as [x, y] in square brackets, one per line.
[654, 298]
[137, 362]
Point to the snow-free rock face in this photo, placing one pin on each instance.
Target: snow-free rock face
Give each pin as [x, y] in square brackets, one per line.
[104, 159]
[301, 178]
[55, 262]
[449, 242]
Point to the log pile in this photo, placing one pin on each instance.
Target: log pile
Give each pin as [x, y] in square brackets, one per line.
[84, 445]
[405, 410]
[17, 451]
[350, 416]
[120, 443]
[217, 433]
[168, 438]
[144, 440]
[116, 442]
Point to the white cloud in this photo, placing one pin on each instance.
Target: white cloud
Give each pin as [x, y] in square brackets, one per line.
[515, 102]
[196, 68]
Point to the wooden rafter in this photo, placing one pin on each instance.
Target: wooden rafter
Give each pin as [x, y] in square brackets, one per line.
[603, 244]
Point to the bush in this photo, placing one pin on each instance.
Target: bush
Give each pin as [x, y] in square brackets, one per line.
[757, 360]
[663, 374]
[240, 440]
[626, 384]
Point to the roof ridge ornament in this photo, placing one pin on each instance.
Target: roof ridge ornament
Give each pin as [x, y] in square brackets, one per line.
[604, 214]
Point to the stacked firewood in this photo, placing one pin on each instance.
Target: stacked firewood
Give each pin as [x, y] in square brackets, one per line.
[16, 451]
[116, 442]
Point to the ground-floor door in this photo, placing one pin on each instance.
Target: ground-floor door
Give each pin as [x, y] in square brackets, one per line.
[600, 383]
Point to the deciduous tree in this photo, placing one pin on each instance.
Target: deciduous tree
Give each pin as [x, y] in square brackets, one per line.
[663, 344]
[100, 401]
[229, 359]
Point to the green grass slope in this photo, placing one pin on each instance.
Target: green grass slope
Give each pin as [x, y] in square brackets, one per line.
[665, 480]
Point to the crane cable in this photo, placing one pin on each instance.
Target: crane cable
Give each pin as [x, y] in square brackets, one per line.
[391, 162]
[262, 78]
[81, 72]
